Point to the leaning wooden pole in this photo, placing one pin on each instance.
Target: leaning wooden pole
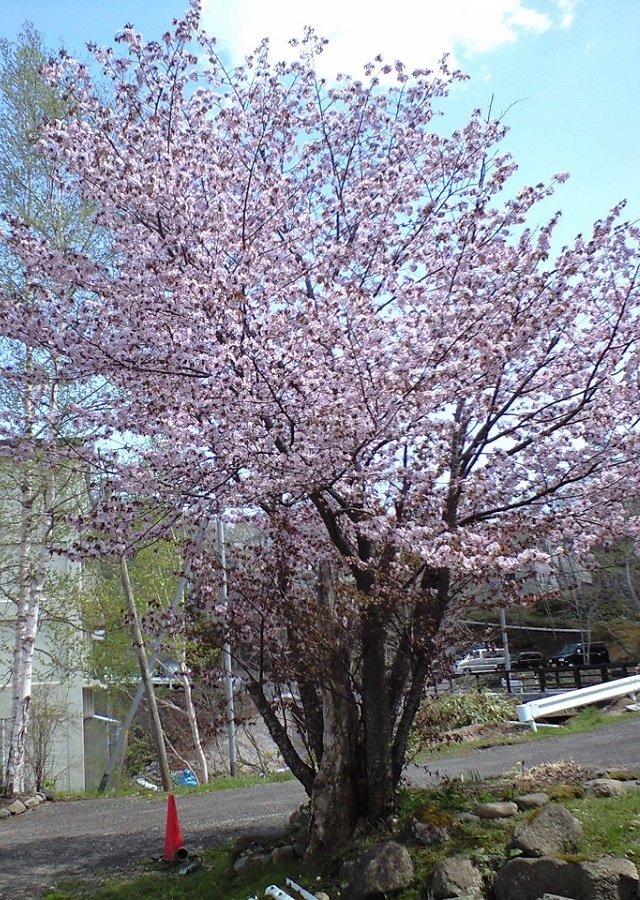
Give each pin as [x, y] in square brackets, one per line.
[116, 755]
[138, 641]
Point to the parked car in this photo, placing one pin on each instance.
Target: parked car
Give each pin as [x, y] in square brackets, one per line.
[577, 654]
[478, 660]
[527, 659]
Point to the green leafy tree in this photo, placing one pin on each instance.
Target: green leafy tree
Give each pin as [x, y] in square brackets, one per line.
[43, 472]
[154, 572]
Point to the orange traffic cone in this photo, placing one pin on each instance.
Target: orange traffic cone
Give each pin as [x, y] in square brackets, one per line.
[173, 847]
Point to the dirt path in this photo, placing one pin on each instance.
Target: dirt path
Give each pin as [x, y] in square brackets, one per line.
[111, 835]
[612, 746]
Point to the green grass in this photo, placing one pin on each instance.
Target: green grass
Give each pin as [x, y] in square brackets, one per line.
[222, 783]
[590, 717]
[611, 826]
[216, 879]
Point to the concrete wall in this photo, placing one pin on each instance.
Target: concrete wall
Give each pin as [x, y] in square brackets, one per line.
[57, 710]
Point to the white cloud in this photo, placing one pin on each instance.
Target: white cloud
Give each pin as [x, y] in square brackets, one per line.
[416, 31]
[567, 10]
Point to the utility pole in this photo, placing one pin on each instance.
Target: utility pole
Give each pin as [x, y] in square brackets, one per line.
[505, 640]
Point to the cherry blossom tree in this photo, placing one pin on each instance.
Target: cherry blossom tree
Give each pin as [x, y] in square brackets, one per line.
[329, 315]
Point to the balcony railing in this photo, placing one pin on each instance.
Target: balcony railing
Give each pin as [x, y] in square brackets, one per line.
[563, 678]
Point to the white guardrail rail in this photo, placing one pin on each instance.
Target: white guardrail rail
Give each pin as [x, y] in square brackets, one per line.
[536, 709]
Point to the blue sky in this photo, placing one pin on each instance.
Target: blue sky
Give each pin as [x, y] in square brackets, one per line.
[566, 71]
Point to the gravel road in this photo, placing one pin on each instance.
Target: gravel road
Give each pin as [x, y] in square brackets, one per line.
[83, 837]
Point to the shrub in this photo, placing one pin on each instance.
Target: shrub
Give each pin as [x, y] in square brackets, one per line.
[441, 714]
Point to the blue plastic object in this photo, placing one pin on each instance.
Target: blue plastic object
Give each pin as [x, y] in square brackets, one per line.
[184, 777]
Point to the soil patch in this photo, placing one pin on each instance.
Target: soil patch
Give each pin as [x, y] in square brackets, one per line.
[490, 733]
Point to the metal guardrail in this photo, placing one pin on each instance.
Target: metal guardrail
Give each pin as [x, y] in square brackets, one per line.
[536, 709]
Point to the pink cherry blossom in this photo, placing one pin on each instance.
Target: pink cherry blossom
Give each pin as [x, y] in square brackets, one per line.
[327, 314]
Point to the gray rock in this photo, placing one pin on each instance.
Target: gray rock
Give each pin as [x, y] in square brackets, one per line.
[253, 861]
[299, 848]
[548, 832]
[532, 801]
[455, 876]
[529, 879]
[622, 774]
[606, 787]
[259, 860]
[282, 854]
[426, 834]
[384, 868]
[17, 807]
[503, 809]
[32, 802]
[242, 862]
[609, 878]
[554, 897]
[467, 817]
[4, 813]
[299, 824]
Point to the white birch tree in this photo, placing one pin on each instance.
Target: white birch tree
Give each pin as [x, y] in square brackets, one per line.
[36, 405]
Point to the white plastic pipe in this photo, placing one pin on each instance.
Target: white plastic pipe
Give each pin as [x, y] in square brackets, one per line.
[277, 893]
[305, 895]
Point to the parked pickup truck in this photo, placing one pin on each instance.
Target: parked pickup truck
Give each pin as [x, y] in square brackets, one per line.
[478, 660]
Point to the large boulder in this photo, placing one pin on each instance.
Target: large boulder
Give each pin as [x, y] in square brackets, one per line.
[607, 787]
[382, 869]
[549, 832]
[529, 879]
[609, 878]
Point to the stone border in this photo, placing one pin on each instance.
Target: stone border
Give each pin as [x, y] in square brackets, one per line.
[18, 806]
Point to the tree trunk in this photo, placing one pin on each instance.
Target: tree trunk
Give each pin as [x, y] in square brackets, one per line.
[629, 582]
[370, 684]
[193, 724]
[33, 564]
[35, 529]
[14, 781]
[337, 788]
[377, 716]
[138, 640]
